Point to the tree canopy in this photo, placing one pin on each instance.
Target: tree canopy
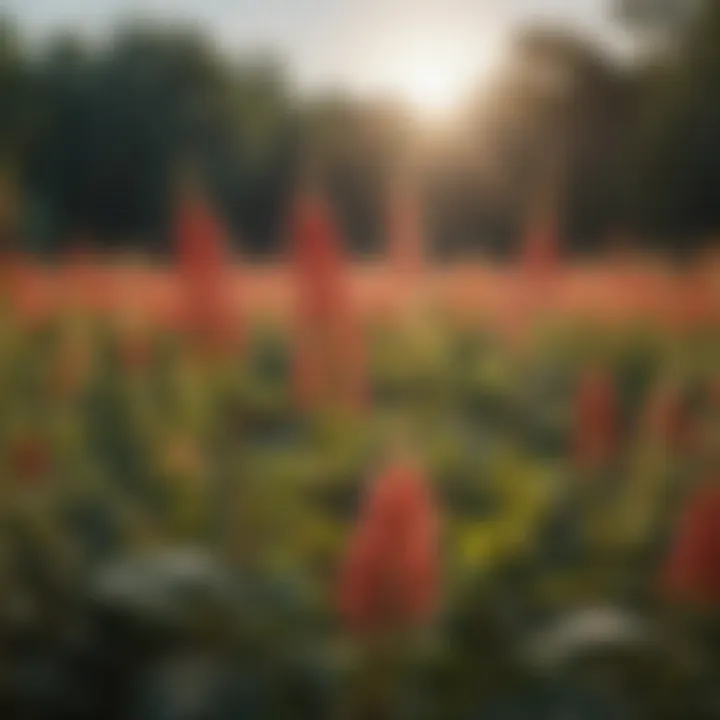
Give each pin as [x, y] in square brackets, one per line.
[91, 138]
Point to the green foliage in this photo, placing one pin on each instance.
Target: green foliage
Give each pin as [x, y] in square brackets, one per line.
[152, 452]
[185, 447]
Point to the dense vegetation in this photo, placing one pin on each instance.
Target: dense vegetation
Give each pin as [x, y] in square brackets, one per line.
[118, 445]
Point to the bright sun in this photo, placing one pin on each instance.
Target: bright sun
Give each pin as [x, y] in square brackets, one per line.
[435, 79]
[433, 88]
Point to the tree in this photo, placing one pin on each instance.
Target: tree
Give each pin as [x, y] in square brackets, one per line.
[675, 166]
[121, 122]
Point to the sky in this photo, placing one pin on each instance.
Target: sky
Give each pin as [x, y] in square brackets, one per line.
[360, 45]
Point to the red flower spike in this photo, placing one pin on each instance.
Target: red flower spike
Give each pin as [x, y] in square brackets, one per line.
[666, 419]
[390, 577]
[201, 247]
[317, 257]
[692, 571]
[595, 420]
[329, 362]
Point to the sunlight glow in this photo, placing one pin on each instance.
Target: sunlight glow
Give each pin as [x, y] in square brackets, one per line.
[436, 78]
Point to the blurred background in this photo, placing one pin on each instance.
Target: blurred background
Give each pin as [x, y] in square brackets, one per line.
[359, 360]
[484, 100]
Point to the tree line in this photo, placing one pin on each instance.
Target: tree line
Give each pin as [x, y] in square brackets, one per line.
[620, 152]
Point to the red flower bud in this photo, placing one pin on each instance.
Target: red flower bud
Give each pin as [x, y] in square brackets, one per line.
[390, 577]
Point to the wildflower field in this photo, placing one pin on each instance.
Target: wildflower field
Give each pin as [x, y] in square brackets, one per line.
[557, 468]
[322, 490]
[359, 361]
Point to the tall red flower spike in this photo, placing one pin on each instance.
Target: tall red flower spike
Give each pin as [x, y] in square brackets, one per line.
[595, 420]
[692, 571]
[202, 257]
[317, 257]
[328, 360]
[405, 235]
[666, 418]
[390, 576]
[541, 249]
